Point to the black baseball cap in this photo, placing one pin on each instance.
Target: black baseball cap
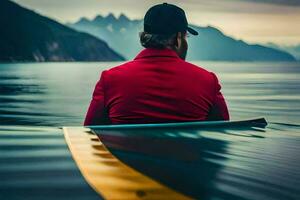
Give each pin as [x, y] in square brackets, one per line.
[166, 19]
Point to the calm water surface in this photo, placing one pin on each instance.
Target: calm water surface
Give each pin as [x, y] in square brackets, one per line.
[37, 99]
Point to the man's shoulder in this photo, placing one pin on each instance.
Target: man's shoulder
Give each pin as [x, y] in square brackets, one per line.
[119, 68]
[196, 68]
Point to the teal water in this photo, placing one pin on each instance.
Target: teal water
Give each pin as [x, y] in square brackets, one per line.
[37, 99]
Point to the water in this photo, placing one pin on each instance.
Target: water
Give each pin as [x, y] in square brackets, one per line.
[37, 99]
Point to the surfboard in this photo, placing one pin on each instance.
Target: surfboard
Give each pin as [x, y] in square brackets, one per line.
[141, 138]
[257, 122]
[109, 176]
[94, 149]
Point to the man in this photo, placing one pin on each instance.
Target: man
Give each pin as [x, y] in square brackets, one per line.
[158, 85]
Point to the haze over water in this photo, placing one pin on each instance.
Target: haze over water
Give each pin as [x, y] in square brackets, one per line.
[58, 94]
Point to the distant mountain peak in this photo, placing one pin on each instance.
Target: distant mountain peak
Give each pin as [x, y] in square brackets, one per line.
[98, 18]
[213, 29]
[123, 17]
[107, 20]
[111, 17]
[83, 20]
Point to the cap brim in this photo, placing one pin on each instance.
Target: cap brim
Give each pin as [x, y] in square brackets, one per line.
[192, 31]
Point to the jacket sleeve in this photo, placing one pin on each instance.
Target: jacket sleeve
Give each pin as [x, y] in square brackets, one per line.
[219, 110]
[97, 113]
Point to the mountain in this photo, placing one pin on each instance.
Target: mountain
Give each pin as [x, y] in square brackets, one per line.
[28, 36]
[292, 49]
[212, 44]
[121, 33]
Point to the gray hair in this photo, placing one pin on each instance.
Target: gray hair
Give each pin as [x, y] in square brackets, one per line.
[156, 41]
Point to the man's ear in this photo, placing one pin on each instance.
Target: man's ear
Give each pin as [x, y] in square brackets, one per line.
[178, 39]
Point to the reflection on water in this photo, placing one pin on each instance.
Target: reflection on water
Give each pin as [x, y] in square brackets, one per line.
[221, 163]
[227, 164]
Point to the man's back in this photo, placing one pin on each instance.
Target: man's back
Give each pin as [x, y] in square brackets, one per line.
[157, 86]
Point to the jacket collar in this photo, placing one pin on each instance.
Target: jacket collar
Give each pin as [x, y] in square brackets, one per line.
[150, 52]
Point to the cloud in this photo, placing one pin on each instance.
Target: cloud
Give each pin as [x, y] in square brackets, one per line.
[278, 2]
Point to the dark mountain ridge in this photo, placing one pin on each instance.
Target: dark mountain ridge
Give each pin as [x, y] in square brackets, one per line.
[28, 36]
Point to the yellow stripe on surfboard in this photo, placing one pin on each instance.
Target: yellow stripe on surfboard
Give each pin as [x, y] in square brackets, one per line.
[110, 177]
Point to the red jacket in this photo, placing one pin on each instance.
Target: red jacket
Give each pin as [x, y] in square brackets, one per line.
[157, 86]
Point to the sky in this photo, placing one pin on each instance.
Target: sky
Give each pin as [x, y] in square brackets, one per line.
[255, 21]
